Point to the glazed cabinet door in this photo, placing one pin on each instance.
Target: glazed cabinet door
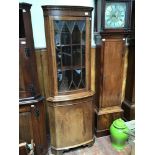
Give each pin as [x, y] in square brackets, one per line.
[113, 51]
[70, 51]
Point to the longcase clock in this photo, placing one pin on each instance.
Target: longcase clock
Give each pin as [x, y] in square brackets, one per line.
[115, 29]
[70, 104]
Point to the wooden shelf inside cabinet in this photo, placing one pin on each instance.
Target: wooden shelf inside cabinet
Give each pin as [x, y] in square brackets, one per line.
[68, 44]
[58, 45]
[70, 68]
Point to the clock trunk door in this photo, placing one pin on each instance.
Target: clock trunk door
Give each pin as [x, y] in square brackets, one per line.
[113, 59]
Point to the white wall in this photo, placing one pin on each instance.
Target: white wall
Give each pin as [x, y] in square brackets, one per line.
[38, 19]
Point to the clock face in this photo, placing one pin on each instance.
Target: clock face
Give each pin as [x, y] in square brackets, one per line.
[115, 15]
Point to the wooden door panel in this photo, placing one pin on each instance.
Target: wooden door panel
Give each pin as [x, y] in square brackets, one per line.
[26, 81]
[73, 124]
[113, 58]
[25, 127]
[32, 125]
[68, 128]
[38, 118]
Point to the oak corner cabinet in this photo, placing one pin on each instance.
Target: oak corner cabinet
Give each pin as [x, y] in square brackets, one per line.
[112, 47]
[31, 103]
[70, 105]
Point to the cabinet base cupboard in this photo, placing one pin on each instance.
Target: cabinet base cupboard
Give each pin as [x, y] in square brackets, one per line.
[71, 121]
[70, 104]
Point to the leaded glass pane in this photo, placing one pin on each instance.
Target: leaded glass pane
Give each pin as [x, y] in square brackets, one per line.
[76, 54]
[59, 74]
[66, 56]
[58, 24]
[83, 37]
[57, 38]
[70, 25]
[65, 35]
[76, 36]
[83, 75]
[76, 76]
[58, 57]
[83, 55]
[65, 80]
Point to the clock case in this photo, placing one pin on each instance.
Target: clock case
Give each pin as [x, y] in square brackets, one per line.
[111, 47]
[101, 18]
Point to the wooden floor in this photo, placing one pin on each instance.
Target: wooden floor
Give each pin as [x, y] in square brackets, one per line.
[102, 146]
